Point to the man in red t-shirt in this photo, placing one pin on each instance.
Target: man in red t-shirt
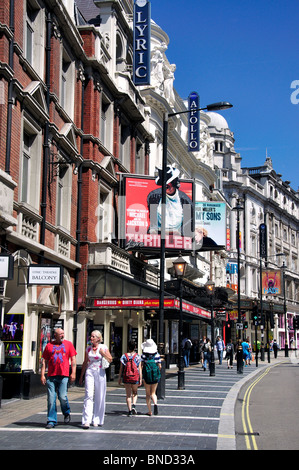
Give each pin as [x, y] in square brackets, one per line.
[56, 357]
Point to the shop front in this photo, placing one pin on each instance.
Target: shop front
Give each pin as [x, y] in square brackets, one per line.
[30, 313]
[130, 318]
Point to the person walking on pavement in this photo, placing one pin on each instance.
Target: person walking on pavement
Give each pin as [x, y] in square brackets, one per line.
[56, 357]
[207, 353]
[95, 381]
[230, 354]
[275, 348]
[220, 348]
[202, 343]
[239, 357]
[131, 375]
[151, 367]
[186, 345]
[246, 352]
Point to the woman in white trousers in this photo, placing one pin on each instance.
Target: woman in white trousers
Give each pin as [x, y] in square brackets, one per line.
[95, 381]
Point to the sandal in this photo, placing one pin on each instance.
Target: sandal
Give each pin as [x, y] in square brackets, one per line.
[149, 413]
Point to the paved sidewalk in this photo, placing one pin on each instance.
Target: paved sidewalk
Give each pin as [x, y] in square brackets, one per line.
[199, 417]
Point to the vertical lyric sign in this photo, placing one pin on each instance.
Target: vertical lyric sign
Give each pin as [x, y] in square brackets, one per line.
[142, 42]
[194, 122]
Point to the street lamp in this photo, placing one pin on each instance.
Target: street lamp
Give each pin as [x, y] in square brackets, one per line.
[210, 289]
[238, 208]
[210, 107]
[286, 346]
[180, 268]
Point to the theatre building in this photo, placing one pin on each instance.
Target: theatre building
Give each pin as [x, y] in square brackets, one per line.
[73, 128]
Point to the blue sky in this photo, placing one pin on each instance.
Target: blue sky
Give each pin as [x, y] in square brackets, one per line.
[245, 52]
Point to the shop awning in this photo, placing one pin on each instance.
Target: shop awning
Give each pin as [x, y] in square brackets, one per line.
[144, 303]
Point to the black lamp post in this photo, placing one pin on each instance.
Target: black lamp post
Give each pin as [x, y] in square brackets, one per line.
[238, 209]
[180, 268]
[211, 107]
[286, 345]
[210, 289]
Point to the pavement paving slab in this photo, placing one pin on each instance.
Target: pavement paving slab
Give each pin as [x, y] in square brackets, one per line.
[200, 417]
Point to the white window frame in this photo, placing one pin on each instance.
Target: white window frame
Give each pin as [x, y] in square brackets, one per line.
[29, 191]
[34, 36]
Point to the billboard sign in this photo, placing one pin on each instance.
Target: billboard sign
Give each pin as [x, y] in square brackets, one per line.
[142, 42]
[271, 282]
[141, 227]
[232, 276]
[210, 225]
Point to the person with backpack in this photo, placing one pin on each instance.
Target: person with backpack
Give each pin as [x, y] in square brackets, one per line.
[131, 376]
[230, 354]
[151, 373]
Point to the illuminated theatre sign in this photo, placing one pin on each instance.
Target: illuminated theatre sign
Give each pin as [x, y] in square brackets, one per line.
[141, 42]
[194, 122]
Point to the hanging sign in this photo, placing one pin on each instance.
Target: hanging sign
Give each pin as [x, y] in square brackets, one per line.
[142, 42]
[6, 266]
[45, 275]
[194, 122]
[263, 241]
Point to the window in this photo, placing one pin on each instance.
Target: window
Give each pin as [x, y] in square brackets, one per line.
[67, 84]
[139, 160]
[30, 166]
[218, 146]
[63, 199]
[27, 142]
[34, 36]
[104, 216]
[29, 34]
[105, 125]
[124, 151]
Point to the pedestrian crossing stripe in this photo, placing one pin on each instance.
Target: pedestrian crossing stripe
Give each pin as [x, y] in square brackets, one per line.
[100, 430]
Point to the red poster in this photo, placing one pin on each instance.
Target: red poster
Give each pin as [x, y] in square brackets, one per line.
[143, 214]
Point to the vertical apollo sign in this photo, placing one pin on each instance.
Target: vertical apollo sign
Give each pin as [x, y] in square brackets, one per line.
[194, 122]
[142, 42]
[263, 240]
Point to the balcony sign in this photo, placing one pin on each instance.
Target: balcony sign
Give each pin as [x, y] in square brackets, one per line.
[142, 42]
[194, 122]
[45, 275]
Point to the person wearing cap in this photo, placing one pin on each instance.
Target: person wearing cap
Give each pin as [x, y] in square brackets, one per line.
[150, 354]
[178, 217]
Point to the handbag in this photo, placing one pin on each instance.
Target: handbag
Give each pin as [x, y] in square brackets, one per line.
[105, 363]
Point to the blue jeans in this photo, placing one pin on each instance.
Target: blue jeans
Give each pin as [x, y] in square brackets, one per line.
[220, 355]
[207, 359]
[186, 354]
[57, 385]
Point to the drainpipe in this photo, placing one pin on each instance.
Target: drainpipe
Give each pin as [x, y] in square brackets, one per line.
[78, 229]
[46, 136]
[10, 89]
